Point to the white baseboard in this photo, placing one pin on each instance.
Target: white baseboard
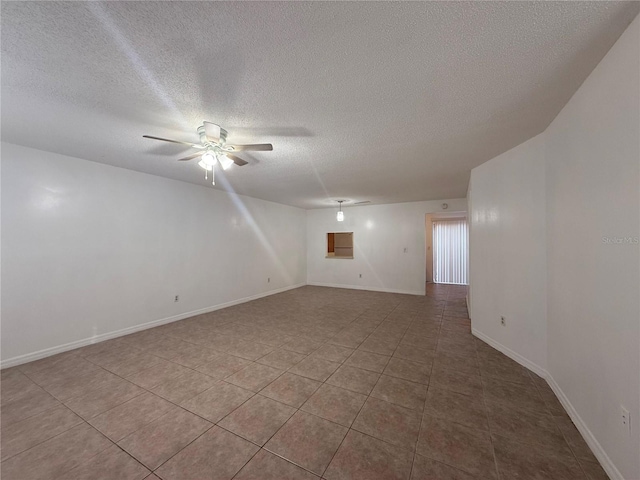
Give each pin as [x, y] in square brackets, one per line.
[47, 352]
[371, 289]
[594, 445]
[525, 362]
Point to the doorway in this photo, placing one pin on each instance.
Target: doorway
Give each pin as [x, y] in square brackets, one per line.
[447, 248]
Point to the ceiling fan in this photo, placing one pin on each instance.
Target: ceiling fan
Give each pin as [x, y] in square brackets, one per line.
[213, 140]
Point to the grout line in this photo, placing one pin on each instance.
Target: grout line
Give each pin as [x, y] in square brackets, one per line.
[486, 409]
[254, 394]
[456, 467]
[323, 383]
[415, 452]
[231, 322]
[363, 403]
[50, 438]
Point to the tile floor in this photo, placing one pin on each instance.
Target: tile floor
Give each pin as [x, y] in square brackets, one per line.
[314, 382]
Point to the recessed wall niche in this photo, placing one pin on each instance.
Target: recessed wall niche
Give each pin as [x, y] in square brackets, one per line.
[340, 245]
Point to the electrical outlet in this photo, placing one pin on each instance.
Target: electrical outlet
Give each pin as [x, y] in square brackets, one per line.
[626, 418]
[268, 279]
[503, 321]
[176, 298]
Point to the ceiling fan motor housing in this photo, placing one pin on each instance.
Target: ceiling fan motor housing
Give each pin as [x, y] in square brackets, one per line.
[205, 141]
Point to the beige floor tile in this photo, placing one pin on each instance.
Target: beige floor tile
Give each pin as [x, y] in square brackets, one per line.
[69, 368]
[266, 466]
[335, 404]
[414, 353]
[405, 344]
[401, 392]
[54, 360]
[110, 464]
[573, 437]
[249, 350]
[315, 368]
[307, 441]
[525, 426]
[408, 370]
[465, 448]
[217, 454]
[301, 345]
[521, 461]
[160, 372]
[257, 419]
[83, 384]
[16, 385]
[456, 407]
[281, 359]
[514, 394]
[19, 408]
[194, 356]
[593, 470]
[382, 345]
[218, 401]
[388, 422]
[428, 469]
[132, 415]
[291, 389]
[184, 386]
[56, 456]
[254, 377]
[98, 401]
[333, 353]
[20, 436]
[361, 457]
[455, 381]
[222, 366]
[368, 361]
[156, 442]
[354, 379]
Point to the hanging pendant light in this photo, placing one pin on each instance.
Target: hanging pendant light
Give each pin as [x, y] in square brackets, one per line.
[340, 215]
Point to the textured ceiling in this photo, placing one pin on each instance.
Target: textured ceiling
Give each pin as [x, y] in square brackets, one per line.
[388, 102]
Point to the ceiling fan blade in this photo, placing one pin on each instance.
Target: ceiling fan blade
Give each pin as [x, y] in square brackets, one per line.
[190, 157]
[212, 131]
[267, 147]
[173, 141]
[237, 160]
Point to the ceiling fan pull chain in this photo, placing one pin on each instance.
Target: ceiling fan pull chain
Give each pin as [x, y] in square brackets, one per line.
[205, 175]
[213, 180]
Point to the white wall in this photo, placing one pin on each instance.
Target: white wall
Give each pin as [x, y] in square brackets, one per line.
[593, 191]
[381, 233]
[428, 233]
[89, 249]
[507, 250]
[586, 168]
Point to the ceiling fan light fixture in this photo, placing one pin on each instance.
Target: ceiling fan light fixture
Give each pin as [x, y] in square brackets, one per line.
[208, 158]
[214, 148]
[225, 161]
[205, 165]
